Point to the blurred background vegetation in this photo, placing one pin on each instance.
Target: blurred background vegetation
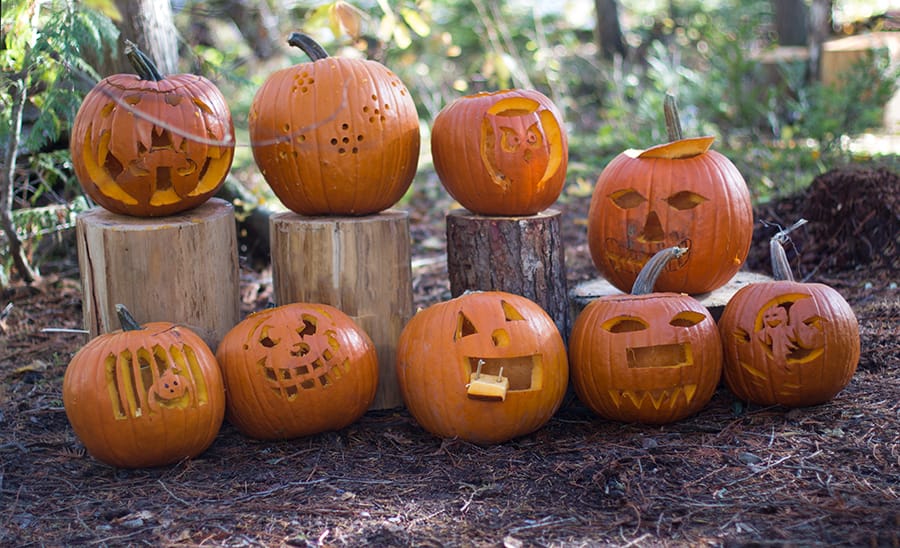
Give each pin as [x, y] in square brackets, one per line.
[750, 72]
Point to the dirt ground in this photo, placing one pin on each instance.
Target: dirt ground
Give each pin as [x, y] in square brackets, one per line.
[733, 475]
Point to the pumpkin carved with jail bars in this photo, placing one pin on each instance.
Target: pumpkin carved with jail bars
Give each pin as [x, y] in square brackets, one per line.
[677, 194]
[787, 342]
[336, 135]
[646, 357]
[297, 370]
[149, 145]
[501, 153]
[145, 395]
[485, 367]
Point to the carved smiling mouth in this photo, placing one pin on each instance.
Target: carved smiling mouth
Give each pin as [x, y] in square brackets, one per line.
[625, 259]
[290, 380]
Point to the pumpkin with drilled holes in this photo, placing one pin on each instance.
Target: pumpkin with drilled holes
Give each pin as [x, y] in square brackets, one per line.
[501, 153]
[297, 370]
[786, 342]
[145, 395]
[147, 145]
[676, 194]
[646, 357]
[336, 135]
[485, 367]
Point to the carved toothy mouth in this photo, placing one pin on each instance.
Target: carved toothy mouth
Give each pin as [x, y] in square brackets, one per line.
[625, 259]
[657, 397]
[306, 376]
[523, 372]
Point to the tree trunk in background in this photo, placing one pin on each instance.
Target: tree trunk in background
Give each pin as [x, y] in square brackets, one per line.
[791, 22]
[821, 24]
[150, 25]
[609, 31]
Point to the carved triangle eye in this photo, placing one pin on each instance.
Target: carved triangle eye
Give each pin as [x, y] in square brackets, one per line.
[624, 324]
[464, 327]
[510, 313]
[628, 198]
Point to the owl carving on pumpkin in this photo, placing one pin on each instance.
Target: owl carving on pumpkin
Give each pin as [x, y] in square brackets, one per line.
[513, 145]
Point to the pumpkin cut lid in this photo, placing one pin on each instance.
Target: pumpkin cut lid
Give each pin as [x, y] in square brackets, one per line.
[676, 150]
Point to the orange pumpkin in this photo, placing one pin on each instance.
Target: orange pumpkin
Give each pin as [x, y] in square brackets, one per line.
[677, 194]
[501, 153]
[786, 342]
[335, 136]
[485, 367]
[297, 370]
[149, 145]
[646, 357]
[145, 395]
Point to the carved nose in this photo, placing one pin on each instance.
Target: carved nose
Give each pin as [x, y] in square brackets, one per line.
[653, 230]
[500, 337]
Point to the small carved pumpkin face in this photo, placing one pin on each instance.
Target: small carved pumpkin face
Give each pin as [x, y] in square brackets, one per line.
[647, 201]
[150, 148]
[788, 343]
[297, 370]
[653, 358]
[486, 366]
[146, 397]
[516, 151]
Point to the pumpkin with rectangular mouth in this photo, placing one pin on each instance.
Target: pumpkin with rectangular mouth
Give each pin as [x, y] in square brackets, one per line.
[486, 367]
[646, 357]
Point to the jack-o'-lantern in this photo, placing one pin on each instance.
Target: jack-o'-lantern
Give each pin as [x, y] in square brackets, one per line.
[786, 342]
[485, 367]
[336, 135]
[501, 153]
[149, 145]
[646, 357]
[145, 395]
[676, 194]
[296, 370]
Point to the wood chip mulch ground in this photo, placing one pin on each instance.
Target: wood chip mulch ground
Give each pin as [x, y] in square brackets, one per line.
[733, 475]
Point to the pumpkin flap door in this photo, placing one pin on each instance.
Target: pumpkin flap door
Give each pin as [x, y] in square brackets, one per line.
[487, 387]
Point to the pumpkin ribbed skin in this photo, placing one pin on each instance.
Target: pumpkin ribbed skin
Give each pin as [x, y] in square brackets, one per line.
[641, 205]
[297, 370]
[130, 165]
[439, 350]
[501, 153]
[653, 358]
[335, 136]
[789, 343]
[145, 397]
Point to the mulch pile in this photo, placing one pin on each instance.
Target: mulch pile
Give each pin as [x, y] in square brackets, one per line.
[733, 475]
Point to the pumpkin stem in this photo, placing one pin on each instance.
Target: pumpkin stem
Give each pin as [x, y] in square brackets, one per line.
[126, 319]
[781, 268]
[673, 120]
[309, 46]
[648, 275]
[142, 64]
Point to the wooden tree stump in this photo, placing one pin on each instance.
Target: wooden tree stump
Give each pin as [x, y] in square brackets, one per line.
[521, 255]
[181, 268]
[359, 265]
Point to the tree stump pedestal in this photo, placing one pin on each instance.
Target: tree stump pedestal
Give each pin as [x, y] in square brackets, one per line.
[181, 268]
[359, 265]
[520, 255]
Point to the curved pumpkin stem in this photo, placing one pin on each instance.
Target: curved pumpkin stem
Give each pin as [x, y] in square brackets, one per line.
[309, 46]
[142, 64]
[648, 275]
[673, 120]
[781, 268]
[126, 319]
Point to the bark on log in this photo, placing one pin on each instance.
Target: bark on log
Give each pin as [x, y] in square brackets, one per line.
[359, 265]
[182, 269]
[521, 255]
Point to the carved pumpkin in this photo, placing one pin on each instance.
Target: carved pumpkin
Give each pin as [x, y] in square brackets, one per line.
[297, 370]
[485, 367]
[150, 145]
[786, 342]
[677, 194]
[145, 395]
[501, 153]
[335, 136]
[646, 357]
